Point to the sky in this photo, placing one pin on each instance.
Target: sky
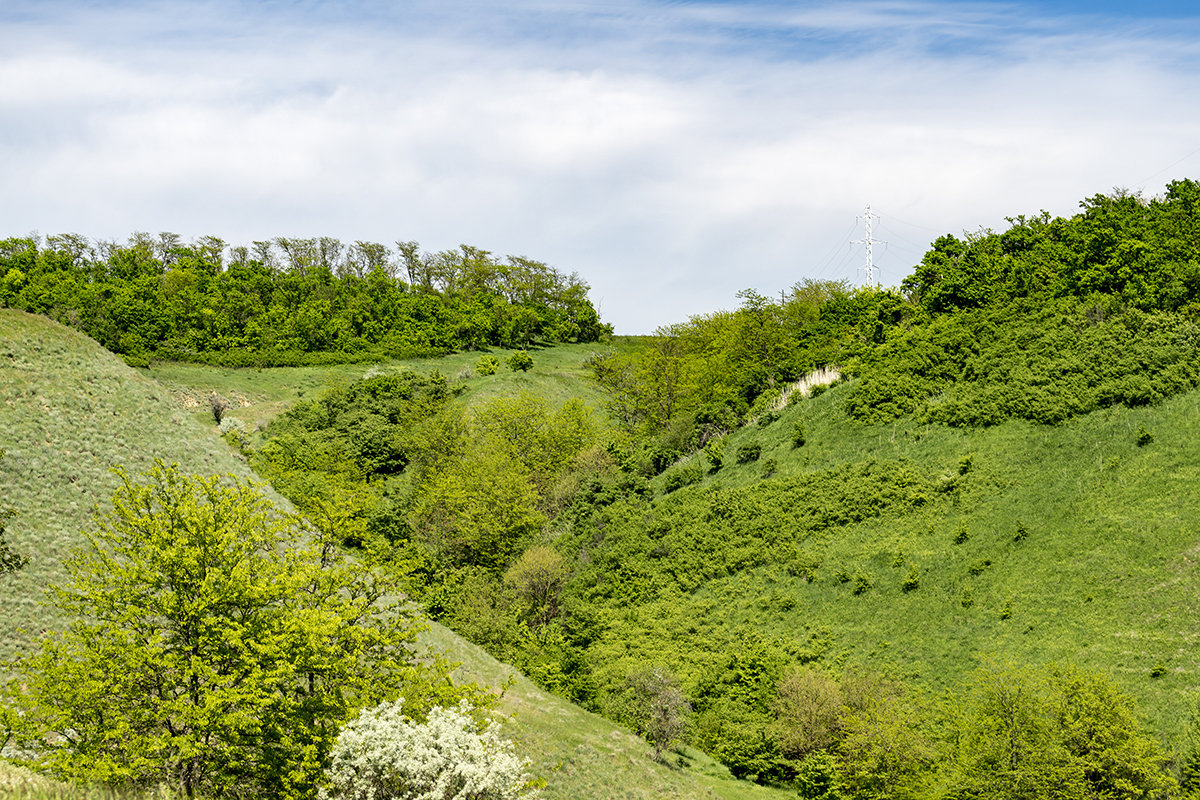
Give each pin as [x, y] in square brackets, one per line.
[670, 153]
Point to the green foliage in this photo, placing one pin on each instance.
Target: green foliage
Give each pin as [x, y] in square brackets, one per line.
[1144, 437]
[487, 365]
[651, 702]
[478, 511]
[863, 581]
[538, 577]
[748, 453]
[212, 648]
[714, 451]
[682, 475]
[799, 434]
[292, 301]
[818, 777]
[520, 361]
[1059, 733]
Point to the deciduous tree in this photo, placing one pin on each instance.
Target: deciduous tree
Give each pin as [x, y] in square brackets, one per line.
[216, 645]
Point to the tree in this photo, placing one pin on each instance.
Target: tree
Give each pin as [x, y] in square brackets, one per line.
[651, 702]
[217, 645]
[1057, 733]
[384, 755]
[538, 577]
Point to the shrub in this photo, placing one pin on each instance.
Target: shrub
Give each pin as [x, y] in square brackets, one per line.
[202, 628]
[767, 417]
[961, 534]
[798, 435]
[715, 452]
[1144, 437]
[1020, 533]
[818, 777]
[768, 467]
[218, 405]
[863, 582]
[520, 361]
[912, 581]
[487, 365]
[538, 578]
[749, 453]
[383, 755]
[681, 475]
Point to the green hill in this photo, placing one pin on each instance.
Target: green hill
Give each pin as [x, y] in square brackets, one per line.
[71, 411]
[925, 550]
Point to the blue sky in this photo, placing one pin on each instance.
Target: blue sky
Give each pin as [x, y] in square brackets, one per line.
[670, 152]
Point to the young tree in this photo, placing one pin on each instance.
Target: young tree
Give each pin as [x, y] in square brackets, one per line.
[215, 645]
[652, 703]
[538, 577]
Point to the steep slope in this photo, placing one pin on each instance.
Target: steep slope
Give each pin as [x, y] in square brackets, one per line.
[924, 550]
[71, 411]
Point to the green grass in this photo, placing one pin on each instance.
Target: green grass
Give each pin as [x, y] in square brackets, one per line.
[257, 395]
[1106, 576]
[71, 411]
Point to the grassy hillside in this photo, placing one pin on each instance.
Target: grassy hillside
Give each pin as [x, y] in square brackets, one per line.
[1029, 543]
[257, 395]
[71, 411]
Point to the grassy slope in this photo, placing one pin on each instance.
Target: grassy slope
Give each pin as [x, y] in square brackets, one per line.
[257, 395]
[71, 411]
[1106, 578]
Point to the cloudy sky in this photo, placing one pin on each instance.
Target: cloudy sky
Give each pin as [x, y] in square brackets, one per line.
[672, 153]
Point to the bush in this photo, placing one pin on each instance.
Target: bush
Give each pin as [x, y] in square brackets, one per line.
[863, 582]
[798, 435]
[681, 475]
[767, 417]
[383, 755]
[912, 581]
[715, 452]
[1144, 437]
[487, 365]
[961, 534]
[749, 453]
[520, 361]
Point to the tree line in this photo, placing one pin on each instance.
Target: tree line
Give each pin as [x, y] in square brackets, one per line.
[291, 300]
[1052, 318]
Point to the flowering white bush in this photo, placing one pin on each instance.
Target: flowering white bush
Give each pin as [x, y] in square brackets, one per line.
[384, 755]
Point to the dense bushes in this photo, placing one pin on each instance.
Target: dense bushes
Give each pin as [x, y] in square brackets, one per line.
[1045, 362]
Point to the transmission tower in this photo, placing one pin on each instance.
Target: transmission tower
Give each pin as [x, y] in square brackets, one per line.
[867, 242]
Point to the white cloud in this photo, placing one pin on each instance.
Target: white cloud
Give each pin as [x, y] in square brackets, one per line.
[672, 154]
